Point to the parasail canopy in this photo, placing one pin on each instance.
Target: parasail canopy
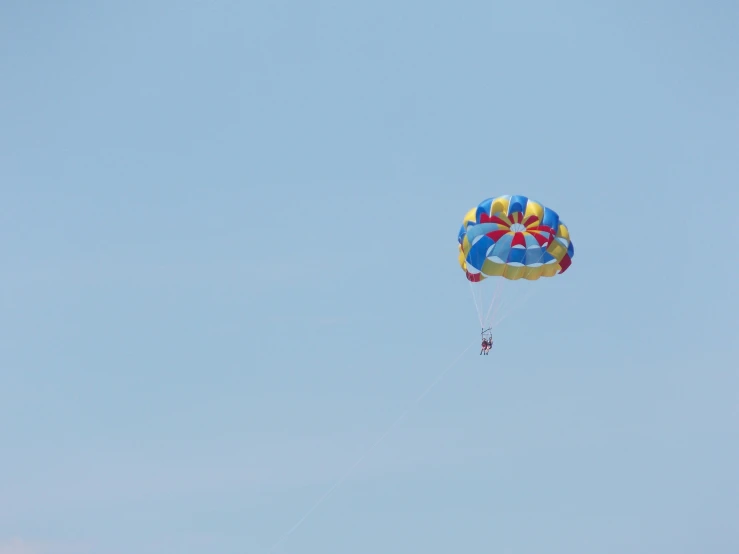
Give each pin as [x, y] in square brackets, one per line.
[513, 237]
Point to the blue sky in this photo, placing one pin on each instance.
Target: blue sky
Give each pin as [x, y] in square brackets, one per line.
[228, 233]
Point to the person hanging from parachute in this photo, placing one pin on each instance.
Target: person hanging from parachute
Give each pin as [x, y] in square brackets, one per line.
[511, 237]
[487, 341]
[486, 346]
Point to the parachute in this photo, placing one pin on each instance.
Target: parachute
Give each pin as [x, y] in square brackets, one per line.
[512, 238]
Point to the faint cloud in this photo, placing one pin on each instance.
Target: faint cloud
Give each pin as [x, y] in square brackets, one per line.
[22, 546]
[310, 320]
[19, 546]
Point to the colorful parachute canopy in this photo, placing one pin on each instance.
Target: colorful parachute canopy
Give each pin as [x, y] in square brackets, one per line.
[515, 238]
